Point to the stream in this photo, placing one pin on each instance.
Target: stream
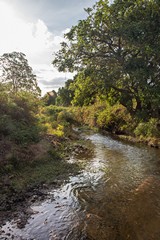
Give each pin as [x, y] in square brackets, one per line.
[116, 197]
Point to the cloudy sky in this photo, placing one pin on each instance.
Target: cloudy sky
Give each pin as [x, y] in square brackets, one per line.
[36, 28]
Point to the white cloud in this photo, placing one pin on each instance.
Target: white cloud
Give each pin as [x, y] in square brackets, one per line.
[33, 39]
[48, 77]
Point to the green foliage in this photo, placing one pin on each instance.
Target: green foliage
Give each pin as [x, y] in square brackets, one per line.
[77, 113]
[86, 89]
[31, 174]
[53, 111]
[118, 46]
[25, 134]
[87, 114]
[114, 119]
[148, 129]
[18, 131]
[17, 75]
[55, 129]
[56, 120]
[65, 117]
[18, 120]
[65, 94]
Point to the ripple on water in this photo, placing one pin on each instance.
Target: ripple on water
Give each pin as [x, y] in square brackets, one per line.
[115, 197]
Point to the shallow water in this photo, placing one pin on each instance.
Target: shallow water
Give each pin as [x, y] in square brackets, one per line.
[116, 197]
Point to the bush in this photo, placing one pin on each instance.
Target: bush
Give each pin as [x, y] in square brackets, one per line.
[88, 114]
[57, 130]
[114, 119]
[77, 114]
[104, 118]
[25, 134]
[65, 117]
[18, 119]
[55, 120]
[148, 129]
[53, 111]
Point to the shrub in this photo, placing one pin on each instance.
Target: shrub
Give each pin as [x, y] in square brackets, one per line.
[87, 114]
[65, 117]
[103, 118]
[114, 118]
[147, 129]
[58, 131]
[77, 114]
[18, 119]
[25, 134]
[53, 110]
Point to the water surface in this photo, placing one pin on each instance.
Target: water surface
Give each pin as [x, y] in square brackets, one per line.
[116, 197]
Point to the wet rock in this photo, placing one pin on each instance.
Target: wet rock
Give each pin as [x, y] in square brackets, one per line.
[78, 149]
[28, 194]
[34, 198]
[8, 234]
[45, 186]
[21, 223]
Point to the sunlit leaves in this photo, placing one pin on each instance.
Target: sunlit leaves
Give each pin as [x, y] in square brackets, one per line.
[121, 44]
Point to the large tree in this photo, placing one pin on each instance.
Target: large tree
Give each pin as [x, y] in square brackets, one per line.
[119, 44]
[17, 74]
[86, 89]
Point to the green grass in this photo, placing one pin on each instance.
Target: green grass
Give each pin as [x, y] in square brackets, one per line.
[23, 175]
[45, 172]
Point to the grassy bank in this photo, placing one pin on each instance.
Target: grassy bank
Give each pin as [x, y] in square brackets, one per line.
[47, 165]
[117, 120]
[35, 140]
[34, 146]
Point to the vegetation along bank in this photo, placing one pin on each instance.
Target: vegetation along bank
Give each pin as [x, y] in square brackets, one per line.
[115, 53]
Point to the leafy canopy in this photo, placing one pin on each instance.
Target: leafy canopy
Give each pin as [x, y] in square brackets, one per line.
[17, 75]
[118, 44]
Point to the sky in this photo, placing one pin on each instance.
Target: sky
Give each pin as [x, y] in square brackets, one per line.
[36, 28]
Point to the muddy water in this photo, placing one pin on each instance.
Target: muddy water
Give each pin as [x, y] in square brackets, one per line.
[116, 197]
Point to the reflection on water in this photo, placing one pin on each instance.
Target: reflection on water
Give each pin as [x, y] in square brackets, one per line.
[116, 197]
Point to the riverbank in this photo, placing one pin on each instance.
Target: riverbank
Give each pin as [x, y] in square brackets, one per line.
[116, 120]
[150, 142]
[29, 180]
[106, 197]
